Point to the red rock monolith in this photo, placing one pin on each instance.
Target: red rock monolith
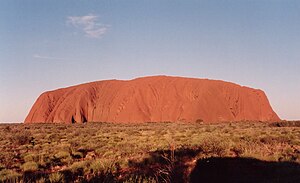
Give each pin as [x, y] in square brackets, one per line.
[152, 99]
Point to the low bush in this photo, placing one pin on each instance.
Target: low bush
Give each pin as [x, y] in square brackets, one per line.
[213, 146]
[56, 177]
[21, 137]
[30, 166]
[30, 158]
[9, 176]
[62, 155]
[79, 167]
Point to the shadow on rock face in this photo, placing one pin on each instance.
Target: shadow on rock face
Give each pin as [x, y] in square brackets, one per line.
[244, 170]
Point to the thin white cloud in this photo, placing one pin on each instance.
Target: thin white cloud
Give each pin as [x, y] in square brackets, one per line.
[89, 24]
[48, 58]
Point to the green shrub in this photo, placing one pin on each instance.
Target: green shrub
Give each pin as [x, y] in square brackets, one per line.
[97, 166]
[30, 166]
[30, 157]
[62, 154]
[213, 146]
[9, 176]
[21, 138]
[78, 166]
[56, 177]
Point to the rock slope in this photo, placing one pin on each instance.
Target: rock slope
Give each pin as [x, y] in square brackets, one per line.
[152, 99]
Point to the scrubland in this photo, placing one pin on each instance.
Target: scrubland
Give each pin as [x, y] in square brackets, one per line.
[150, 152]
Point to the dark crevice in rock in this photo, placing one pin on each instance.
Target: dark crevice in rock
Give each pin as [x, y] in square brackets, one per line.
[73, 120]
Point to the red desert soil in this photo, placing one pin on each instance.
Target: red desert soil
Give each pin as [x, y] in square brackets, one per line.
[152, 99]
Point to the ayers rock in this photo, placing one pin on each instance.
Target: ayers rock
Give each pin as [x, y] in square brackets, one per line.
[152, 99]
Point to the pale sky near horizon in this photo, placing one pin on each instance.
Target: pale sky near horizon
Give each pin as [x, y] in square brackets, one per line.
[45, 45]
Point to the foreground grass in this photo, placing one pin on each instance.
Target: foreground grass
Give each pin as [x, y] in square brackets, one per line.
[149, 152]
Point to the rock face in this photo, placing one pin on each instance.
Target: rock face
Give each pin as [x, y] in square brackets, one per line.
[152, 99]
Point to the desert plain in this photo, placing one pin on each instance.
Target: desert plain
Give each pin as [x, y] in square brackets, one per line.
[150, 152]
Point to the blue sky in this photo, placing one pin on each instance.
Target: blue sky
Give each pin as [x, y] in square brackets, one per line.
[45, 45]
